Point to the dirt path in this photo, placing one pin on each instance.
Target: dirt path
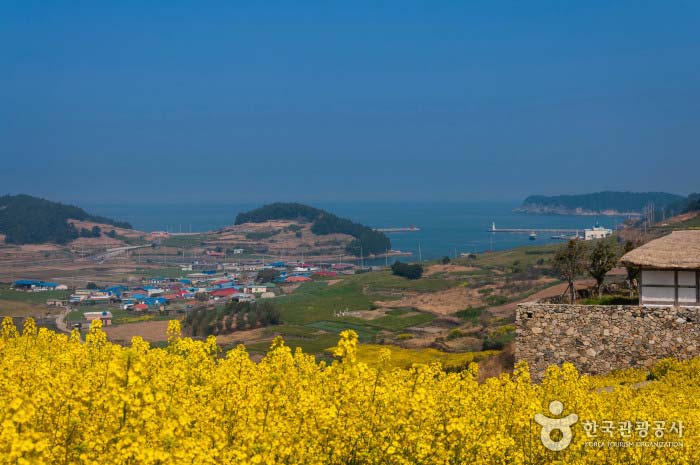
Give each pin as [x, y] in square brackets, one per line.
[61, 320]
[553, 291]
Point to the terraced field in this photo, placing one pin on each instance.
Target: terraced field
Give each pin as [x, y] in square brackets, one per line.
[389, 310]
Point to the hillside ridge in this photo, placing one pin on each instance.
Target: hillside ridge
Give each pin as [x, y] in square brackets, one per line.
[366, 240]
[25, 219]
[602, 203]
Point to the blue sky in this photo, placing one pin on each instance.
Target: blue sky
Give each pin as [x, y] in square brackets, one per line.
[325, 101]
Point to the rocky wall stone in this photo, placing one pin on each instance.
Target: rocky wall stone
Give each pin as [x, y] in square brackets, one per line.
[600, 338]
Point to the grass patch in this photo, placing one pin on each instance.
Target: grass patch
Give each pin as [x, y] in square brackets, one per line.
[188, 241]
[365, 332]
[396, 322]
[379, 281]
[131, 240]
[318, 345]
[470, 314]
[317, 301]
[75, 316]
[261, 235]
[25, 309]
[399, 311]
[32, 297]
[290, 331]
[495, 300]
[526, 255]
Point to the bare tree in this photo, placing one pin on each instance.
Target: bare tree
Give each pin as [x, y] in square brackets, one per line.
[570, 263]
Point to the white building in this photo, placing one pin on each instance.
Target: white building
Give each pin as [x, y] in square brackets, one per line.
[596, 232]
[254, 289]
[670, 270]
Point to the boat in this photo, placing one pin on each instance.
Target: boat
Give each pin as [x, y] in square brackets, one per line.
[533, 236]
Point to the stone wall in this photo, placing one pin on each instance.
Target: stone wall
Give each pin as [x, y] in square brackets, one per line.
[598, 338]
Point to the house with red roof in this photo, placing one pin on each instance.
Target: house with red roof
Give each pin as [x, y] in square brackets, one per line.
[297, 279]
[223, 293]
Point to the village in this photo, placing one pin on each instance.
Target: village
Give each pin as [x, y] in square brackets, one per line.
[212, 283]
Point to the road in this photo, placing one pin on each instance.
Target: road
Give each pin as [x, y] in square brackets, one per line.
[61, 323]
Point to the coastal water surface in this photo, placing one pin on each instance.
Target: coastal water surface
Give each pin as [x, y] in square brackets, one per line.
[447, 228]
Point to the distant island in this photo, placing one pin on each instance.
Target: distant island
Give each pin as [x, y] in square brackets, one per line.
[25, 219]
[367, 241]
[607, 203]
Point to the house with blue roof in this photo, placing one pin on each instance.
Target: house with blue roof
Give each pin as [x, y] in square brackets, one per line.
[35, 285]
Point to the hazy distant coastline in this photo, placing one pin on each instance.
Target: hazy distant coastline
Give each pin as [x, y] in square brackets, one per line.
[534, 209]
[607, 203]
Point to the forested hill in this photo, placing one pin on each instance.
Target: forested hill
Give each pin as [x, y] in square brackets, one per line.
[30, 220]
[609, 202]
[366, 239]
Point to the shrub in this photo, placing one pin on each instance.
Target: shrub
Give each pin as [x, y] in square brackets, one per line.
[406, 270]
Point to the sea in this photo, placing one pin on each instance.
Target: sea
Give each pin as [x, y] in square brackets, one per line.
[446, 228]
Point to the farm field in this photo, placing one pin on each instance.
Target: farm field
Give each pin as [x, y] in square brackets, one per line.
[446, 312]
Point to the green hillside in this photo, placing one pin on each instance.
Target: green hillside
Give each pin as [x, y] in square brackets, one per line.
[366, 239]
[31, 220]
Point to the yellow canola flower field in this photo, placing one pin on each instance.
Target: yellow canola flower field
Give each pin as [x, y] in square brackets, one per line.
[65, 401]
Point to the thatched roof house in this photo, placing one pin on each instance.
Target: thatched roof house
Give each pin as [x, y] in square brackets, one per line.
[678, 250]
[670, 269]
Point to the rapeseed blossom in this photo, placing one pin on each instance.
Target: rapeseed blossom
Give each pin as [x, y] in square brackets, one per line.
[94, 402]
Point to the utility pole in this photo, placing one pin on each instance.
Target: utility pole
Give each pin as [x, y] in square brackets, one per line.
[420, 254]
